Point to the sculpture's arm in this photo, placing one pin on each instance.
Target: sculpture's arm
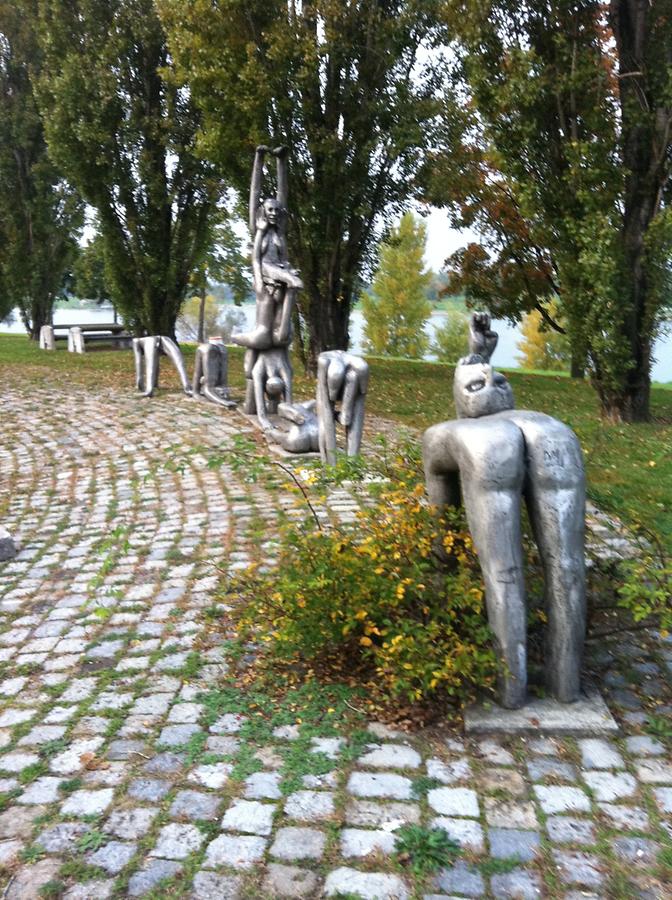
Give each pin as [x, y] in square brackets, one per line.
[325, 411]
[137, 354]
[257, 273]
[255, 186]
[282, 195]
[292, 413]
[441, 465]
[482, 340]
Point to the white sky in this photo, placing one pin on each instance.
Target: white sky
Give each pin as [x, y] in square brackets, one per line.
[442, 240]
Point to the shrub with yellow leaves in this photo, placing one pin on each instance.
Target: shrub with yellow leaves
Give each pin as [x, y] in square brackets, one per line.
[376, 599]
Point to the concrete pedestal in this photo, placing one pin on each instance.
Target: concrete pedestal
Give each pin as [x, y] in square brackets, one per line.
[588, 716]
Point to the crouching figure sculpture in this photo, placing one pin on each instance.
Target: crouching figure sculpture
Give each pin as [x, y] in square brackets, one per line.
[495, 454]
[341, 379]
[211, 374]
[146, 351]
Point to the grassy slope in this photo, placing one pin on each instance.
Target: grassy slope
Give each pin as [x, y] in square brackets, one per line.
[619, 459]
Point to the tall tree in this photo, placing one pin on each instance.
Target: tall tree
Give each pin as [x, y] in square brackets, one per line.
[396, 309]
[124, 133]
[341, 84]
[40, 214]
[565, 167]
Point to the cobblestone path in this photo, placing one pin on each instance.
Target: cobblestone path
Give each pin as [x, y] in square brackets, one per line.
[116, 780]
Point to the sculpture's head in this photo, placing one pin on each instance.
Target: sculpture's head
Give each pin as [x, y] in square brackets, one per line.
[272, 211]
[275, 386]
[479, 390]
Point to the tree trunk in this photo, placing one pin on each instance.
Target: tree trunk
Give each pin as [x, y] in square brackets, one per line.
[577, 366]
[200, 337]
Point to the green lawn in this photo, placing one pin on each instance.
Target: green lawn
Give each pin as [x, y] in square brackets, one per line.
[629, 467]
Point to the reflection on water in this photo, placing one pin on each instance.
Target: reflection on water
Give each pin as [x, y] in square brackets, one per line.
[505, 355]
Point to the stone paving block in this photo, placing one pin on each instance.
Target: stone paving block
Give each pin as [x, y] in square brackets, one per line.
[9, 851]
[494, 753]
[62, 837]
[449, 772]
[298, 843]
[556, 769]
[462, 879]
[510, 814]
[370, 814]
[15, 762]
[288, 881]
[562, 799]
[570, 830]
[113, 856]
[236, 851]
[230, 723]
[18, 823]
[368, 885]
[70, 761]
[363, 841]
[42, 790]
[130, 824]
[466, 832]
[166, 763]
[309, 806]
[263, 786]
[151, 875]
[87, 803]
[177, 735]
[637, 851]
[250, 817]
[643, 745]
[579, 868]
[608, 787]
[149, 789]
[212, 775]
[380, 784]
[511, 843]
[626, 818]
[227, 746]
[454, 801]
[600, 754]
[663, 798]
[195, 805]
[331, 747]
[520, 884]
[92, 890]
[184, 713]
[30, 878]
[498, 780]
[654, 771]
[178, 841]
[391, 756]
[210, 886]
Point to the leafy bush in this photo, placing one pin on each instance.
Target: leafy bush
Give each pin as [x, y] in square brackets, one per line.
[451, 339]
[374, 598]
[646, 582]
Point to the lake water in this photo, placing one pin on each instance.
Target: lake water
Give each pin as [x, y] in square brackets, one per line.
[505, 355]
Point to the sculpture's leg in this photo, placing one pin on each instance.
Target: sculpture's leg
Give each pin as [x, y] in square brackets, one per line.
[325, 414]
[137, 358]
[258, 380]
[151, 352]
[353, 433]
[556, 502]
[281, 334]
[491, 472]
[198, 372]
[172, 351]
[287, 375]
[223, 370]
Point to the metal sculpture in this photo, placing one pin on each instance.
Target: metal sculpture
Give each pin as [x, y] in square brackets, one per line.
[211, 374]
[493, 455]
[342, 381]
[302, 434]
[275, 285]
[146, 351]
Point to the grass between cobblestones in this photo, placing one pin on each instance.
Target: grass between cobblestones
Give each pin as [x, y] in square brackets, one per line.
[141, 756]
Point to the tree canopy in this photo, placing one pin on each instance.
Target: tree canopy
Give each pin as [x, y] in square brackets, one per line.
[397, 308]
[123, 132]
[342, 86]
[565, 169]
[40, 213]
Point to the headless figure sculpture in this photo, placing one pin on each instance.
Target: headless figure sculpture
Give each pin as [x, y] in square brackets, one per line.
[341, 378]
[211, 372]
[496, 454]
[146, 351]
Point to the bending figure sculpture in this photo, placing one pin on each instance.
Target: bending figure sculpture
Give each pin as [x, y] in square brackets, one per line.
[269, 381]
[494, 454]
[211, 374]
[146, 351]
[341, 379]
[302, 434]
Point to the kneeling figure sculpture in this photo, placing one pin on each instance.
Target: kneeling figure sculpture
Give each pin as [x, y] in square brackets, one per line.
[495, 454]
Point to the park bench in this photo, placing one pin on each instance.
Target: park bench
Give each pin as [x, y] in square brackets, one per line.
[87, 332]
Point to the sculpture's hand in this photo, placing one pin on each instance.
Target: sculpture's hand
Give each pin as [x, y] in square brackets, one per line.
[482, 341]
[261, 223]
[280, 151]
[262, 148]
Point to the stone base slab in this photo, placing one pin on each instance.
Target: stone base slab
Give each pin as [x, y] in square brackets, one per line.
[588, 716]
